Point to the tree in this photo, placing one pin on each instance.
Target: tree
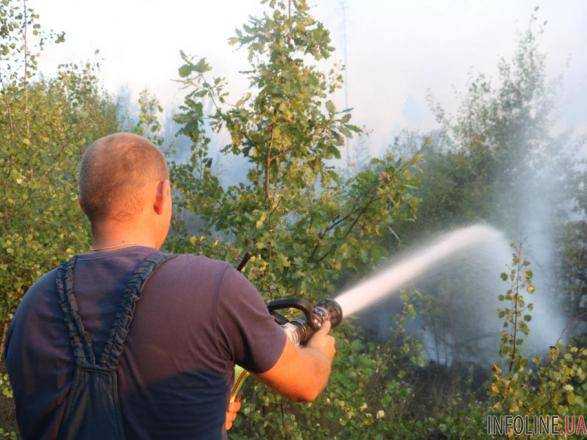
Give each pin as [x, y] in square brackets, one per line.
[554, 384]
[300, 219]
[44, 125]
[148, 124]
[308, 228]
[499, 159]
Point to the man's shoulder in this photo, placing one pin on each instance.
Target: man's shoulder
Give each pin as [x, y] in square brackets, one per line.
[198, 262]
[195, 269]
[38, 294]
[44, 285]
[46, 280]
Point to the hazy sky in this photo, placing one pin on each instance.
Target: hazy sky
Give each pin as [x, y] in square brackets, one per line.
[398, 51]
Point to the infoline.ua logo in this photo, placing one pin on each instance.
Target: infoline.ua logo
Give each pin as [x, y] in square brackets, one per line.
[536, 425]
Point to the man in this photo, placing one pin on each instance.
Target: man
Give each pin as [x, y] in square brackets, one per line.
[195, 319]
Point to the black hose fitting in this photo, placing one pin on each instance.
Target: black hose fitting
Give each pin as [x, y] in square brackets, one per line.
[301, 329]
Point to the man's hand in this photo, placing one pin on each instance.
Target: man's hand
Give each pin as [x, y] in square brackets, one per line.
[233, 409]
[323, 342]
[301, 373]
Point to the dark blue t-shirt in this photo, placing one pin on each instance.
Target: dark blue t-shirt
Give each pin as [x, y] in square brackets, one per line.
[196, 318]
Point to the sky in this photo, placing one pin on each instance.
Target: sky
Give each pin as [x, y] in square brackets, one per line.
[398, 52]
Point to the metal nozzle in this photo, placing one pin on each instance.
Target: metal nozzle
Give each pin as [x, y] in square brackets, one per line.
[326, 309]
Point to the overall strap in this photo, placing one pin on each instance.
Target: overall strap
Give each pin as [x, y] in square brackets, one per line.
[80, 340]
[124, 318]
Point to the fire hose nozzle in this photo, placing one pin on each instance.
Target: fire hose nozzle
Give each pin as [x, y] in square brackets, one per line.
[298, 330]
[326, 309]
[301, 329]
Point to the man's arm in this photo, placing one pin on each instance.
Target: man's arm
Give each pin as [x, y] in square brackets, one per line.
[256, 342]
[301, 373]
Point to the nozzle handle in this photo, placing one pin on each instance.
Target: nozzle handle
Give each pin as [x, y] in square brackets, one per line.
[291, 302]
[244, 260]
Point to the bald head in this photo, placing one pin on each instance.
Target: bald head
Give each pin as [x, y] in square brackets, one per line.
[114, 175]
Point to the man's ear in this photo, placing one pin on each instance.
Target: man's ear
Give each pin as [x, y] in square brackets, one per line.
[162, 196]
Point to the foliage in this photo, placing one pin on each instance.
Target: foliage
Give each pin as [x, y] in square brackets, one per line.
[41, 148]
[501, 138]
[43, 133]
[310, 227]
[148, 124]
[553, 385]
[514, 314]
[500, 158]
[302, 222]
[44, 125]
[572, 276]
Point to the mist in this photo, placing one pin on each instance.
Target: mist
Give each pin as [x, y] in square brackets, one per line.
[397, 52]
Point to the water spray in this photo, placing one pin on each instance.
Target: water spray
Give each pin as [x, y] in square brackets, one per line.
[378, 286]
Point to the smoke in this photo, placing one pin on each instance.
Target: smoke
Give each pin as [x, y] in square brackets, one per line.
[455, 298]
[457, 317]
[538, 220]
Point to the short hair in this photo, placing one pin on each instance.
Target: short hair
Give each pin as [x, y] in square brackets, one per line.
[113, 173]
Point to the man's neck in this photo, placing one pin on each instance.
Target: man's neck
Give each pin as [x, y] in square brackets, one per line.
[115, 237]
[99, 246]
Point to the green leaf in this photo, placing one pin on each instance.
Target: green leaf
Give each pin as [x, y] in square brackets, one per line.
[330, 107]
[185, 70]
[202, 66]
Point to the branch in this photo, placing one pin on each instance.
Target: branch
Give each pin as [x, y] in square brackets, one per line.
[266, 177]
[515, 331]
[337, 221]
[26, 64]
[349, 229]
